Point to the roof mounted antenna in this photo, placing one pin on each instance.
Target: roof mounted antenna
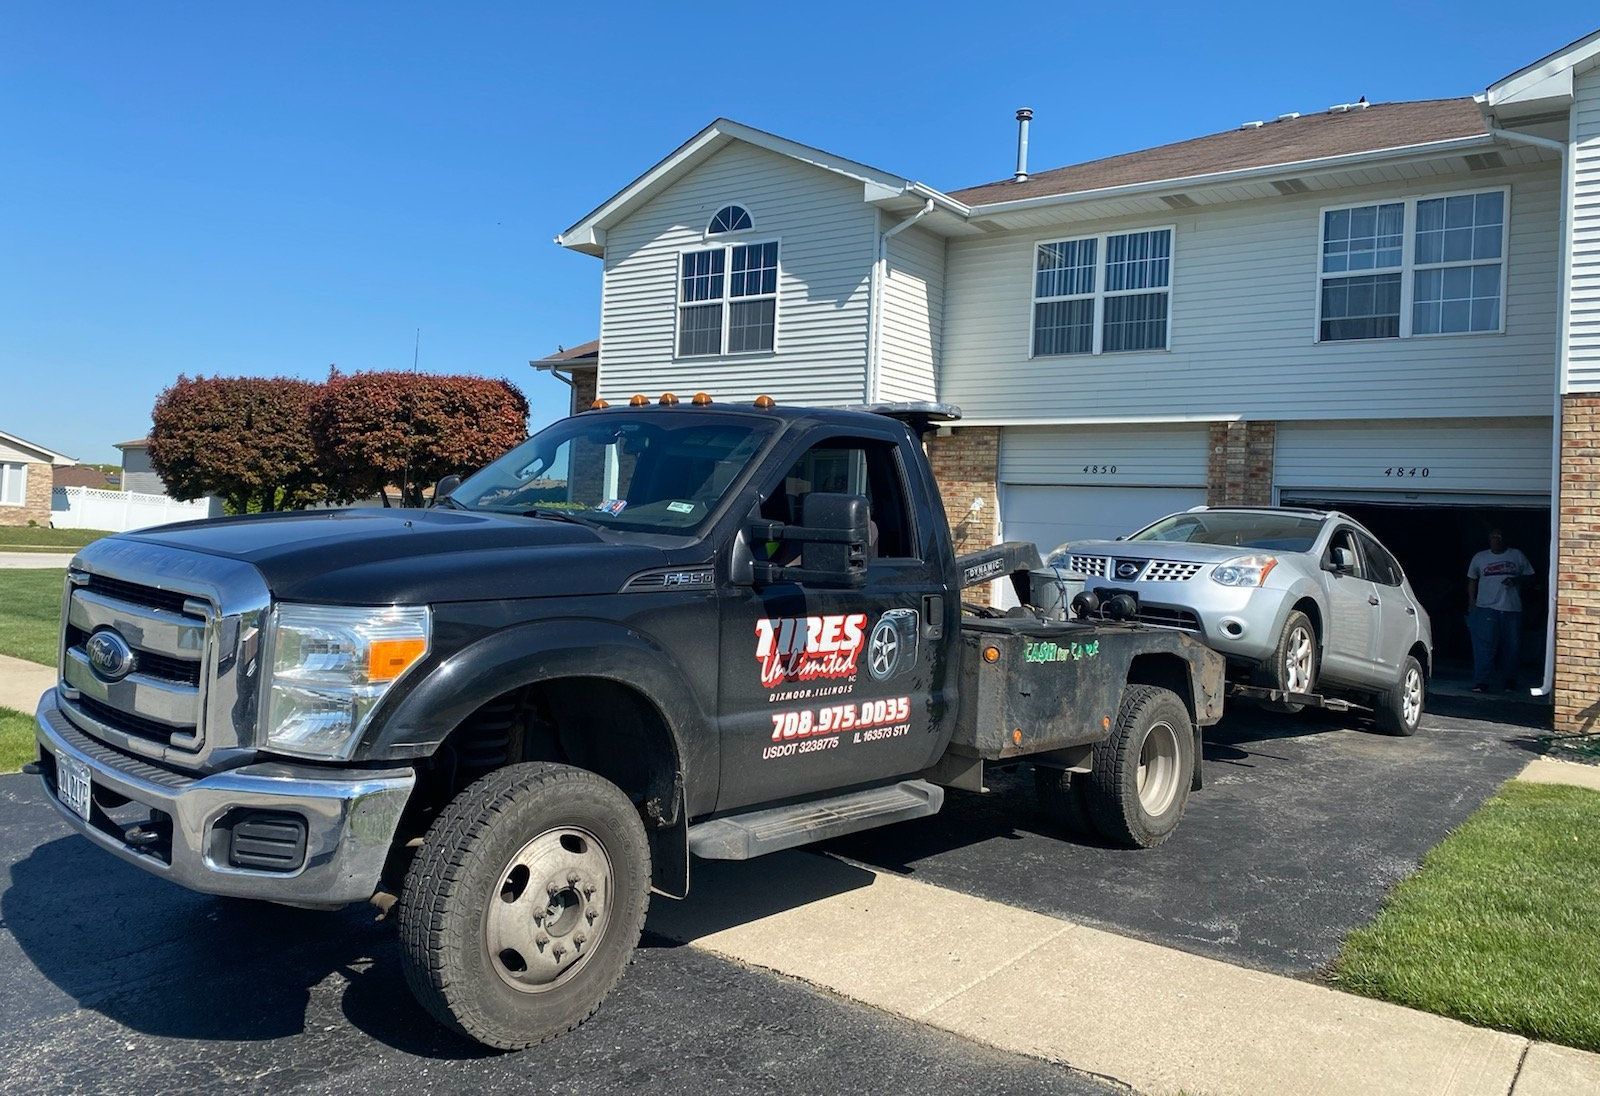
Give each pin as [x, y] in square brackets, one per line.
[1024, 116]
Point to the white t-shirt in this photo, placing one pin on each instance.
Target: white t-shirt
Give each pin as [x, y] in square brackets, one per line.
[1491, 571]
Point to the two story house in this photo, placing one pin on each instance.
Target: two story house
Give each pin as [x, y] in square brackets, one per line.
[1388, 308]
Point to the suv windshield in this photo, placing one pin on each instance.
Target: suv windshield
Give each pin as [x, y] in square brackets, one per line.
[1280, 532]
[650, 473]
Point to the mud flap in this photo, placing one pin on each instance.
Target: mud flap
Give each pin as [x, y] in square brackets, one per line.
[669, 858]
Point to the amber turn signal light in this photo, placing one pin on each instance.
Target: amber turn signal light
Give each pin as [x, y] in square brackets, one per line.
[991, 654]
[387, 659]
[1016, 736]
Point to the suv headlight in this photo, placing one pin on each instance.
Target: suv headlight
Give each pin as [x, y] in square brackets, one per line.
[1244, 571]
[330, 668]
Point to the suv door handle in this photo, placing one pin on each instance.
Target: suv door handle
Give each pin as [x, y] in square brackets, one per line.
[1410, 611]
[1372, 599]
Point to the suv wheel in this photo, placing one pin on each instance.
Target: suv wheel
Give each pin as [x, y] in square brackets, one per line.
[1400, 709]
[1295, 661]
[524, 904]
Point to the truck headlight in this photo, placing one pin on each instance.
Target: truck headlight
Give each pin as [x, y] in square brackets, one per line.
[330, 667]
[1244, 571]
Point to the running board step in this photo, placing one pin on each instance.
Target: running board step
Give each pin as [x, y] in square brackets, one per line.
[743, 836]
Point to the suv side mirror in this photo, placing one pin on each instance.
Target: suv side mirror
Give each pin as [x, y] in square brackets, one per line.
[1341, 561]
[835, 530]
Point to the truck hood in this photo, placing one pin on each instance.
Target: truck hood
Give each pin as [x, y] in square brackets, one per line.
[1166, 549]
[389, 557]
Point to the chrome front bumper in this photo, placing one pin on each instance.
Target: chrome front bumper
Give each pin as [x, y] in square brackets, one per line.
[350, 817]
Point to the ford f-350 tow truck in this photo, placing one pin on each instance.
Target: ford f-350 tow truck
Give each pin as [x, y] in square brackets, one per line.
[648, 634]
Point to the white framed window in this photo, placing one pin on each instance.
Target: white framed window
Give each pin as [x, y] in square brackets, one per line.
[13, 484]
[1104, 294]
[728, 300]
[1429, 265]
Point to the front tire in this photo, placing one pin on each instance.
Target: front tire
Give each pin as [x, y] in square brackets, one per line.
[524, 904]
[1400, 709]
[1296, 661]
[1139, 786]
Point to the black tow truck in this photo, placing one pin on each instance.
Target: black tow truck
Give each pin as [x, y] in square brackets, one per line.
[647, 634]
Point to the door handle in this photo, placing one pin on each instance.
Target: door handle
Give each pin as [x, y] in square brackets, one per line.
[1372, 599]
[933, 616]
[1410, 611]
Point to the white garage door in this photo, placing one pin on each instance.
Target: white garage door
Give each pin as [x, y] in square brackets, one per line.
[1051, 516]
[1097, 482]
[1426, 462]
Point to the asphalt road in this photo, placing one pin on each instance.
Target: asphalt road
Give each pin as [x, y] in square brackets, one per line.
[114, 981]
[1303, 826]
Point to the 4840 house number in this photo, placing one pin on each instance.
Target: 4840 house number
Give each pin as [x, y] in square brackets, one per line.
[1413, 471]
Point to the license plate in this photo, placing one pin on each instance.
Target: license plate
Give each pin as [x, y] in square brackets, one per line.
[72, 783]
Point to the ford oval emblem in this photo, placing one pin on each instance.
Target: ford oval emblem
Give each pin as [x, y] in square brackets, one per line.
[109, 655]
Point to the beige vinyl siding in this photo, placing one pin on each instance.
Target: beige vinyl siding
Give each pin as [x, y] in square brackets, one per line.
[827, 247]
[1105, 456]
[1583, 319]
[1490, 456]
[913, 315]
[1244, 324]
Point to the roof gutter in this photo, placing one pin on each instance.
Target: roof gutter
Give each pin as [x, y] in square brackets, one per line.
[1563, 305]
[880, 276]
[1326, 163]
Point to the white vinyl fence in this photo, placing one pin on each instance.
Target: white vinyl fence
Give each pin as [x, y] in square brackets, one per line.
[119, 511]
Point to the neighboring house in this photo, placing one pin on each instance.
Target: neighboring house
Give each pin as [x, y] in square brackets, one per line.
[1391, 308]
[26, 480]
[137, 472]
[576, 368]
[83, 475]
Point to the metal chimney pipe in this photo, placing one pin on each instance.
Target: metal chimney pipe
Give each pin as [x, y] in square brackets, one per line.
[1024, 116]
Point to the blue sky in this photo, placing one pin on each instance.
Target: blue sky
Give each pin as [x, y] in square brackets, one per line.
[274, 188]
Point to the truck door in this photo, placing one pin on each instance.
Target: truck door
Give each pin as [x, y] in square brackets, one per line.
[829, 688]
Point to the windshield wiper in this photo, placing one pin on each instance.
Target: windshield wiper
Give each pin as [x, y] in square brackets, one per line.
[561, 515]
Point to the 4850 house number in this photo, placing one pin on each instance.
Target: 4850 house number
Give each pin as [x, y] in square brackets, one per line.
[1099, 469]
[1408, 472]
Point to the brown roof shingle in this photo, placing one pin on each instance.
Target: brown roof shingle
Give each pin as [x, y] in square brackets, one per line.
[580, 353]
[1309, 137]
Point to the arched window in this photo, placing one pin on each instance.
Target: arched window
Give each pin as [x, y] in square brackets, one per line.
[733, 218]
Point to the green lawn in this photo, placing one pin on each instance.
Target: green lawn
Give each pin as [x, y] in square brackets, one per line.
[1498, 927]
[30, 613]
[44, 539]
[16, 740]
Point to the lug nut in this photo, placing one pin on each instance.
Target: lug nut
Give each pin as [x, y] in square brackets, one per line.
[588, 892]
[541, 940]
[558, 951]
[590, 915]
[574, 879]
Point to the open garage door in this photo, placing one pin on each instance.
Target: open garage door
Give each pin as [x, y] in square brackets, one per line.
[1061, 484]
[1432, 491]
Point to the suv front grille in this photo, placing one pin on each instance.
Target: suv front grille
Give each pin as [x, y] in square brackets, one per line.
[1089, 566]
[1171, 570]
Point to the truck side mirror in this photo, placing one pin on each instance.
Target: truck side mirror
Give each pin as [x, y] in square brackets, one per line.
[835, 530]
[443, 489]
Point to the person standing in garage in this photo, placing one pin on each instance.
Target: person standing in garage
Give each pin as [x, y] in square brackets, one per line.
[1494, 613]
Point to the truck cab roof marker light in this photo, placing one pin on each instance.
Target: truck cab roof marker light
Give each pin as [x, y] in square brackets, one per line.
[765, 403]
[639, 400]
[668, 399]
[701, 400]
[599, 405]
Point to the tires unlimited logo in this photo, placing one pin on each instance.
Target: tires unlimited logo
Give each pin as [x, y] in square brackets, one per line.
[824, 655]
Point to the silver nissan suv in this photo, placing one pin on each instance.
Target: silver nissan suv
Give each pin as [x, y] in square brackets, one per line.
[1302, 598]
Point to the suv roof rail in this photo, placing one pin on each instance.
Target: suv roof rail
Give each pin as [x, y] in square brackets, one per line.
[1276, 509]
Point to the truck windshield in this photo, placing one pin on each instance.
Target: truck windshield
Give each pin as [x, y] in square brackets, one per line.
[1280, 532]
[651, 473]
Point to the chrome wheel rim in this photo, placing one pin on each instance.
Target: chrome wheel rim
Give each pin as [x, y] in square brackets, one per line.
[549, 909]
[1297, 661]
[1158, 769]
[1411, 697]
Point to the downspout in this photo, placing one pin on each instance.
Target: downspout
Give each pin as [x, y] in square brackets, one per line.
[1564, 294]
[880, 276]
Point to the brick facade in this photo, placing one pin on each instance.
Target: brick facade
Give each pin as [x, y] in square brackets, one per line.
[1577, 684]
[1239, 463]
[36, 505]
[585, 383]
[967, 466]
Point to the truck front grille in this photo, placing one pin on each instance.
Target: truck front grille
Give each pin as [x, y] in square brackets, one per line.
[159, 649]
